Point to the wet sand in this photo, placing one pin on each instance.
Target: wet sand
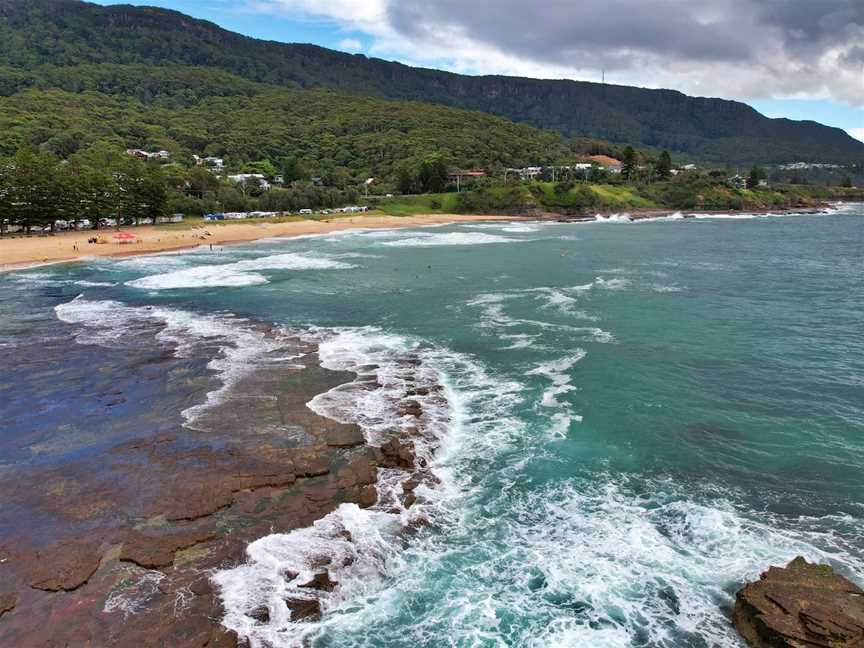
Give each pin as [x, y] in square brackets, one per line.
[21, 252]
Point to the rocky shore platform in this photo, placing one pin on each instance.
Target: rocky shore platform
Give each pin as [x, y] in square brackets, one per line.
[801, 605]
[137, 532]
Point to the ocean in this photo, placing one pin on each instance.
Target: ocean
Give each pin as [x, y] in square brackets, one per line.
[638, 417]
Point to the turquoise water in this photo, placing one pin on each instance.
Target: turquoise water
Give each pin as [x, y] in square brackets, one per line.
[641, 415]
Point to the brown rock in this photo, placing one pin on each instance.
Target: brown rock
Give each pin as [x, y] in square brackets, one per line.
[360, 471]
[310, 463]
[363, 496]
[261, 614]
[345, 437]
[304, 609]
[197, 499]
[398, 454]
[153, 551]
[409, 408]
[7, 602]
[65, 566]
[321, 581]
[201, 586]
[802, 605]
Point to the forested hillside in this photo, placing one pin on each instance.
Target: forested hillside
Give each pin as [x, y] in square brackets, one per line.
[39, 38]
[194, 111]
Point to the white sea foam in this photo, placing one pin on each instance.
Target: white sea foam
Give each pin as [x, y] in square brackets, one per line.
[623, 217]
[363, 564]
[450, 238]
[558, 374]
[660, 219]
[240, 273]
[239, 347]
[493, 313]
[651, 565]
[520, 229]
[615, 283]
[48, 279]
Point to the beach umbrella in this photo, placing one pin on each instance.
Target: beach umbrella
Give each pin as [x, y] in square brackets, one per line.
[124, 236]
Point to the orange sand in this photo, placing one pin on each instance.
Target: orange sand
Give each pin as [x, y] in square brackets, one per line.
[16, 253]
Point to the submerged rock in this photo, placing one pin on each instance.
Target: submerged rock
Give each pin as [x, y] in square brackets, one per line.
[65, 566]
[802, 605]
[7, 602]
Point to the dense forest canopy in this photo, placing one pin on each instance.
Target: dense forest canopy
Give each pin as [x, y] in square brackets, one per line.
[360, 136]
[39, 36]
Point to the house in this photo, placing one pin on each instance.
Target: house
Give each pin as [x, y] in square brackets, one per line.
[526, 173]
[460, 175]
[611, 164]
[250, 179]
[217, 163]
[737, 182]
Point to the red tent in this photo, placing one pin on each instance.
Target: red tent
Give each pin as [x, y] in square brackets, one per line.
[124, 236]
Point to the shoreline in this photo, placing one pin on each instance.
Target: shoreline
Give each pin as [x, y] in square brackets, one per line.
[22, 253]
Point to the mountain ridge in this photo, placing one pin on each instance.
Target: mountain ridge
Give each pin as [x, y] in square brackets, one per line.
[69, 32]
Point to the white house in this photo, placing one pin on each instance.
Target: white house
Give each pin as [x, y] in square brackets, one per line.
[250, 179]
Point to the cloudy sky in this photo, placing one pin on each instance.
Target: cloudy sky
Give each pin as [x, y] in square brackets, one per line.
[802, 59]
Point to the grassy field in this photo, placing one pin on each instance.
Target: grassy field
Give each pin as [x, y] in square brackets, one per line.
[445, 203]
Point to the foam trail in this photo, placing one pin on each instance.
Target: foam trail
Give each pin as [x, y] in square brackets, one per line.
[241, 273]
[452, 238]
[241, 346]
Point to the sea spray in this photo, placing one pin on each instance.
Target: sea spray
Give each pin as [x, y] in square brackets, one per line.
[362, 548]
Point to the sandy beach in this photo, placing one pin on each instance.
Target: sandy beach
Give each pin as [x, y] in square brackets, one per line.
[22, 252]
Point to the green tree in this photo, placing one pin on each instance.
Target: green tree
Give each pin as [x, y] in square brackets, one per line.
[432, 174]
[847, 182]
[7, 173]
[757, 174]
[293, 170]
[33, 190]
[406, 178]
[141, 190]
[628, 163]
[663, 168]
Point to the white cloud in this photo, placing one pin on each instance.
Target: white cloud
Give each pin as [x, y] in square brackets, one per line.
[350, 45]
[857, 133]
[737, 49]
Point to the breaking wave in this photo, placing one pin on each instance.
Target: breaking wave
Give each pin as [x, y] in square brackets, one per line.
[451, 238]
[239, 347]
[362, 549]
[241, 273]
